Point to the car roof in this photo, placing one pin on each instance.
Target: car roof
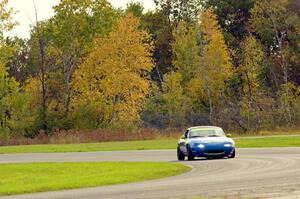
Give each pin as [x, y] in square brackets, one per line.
[204, 127]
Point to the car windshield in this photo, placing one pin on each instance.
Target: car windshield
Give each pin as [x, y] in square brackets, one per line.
[206, 133]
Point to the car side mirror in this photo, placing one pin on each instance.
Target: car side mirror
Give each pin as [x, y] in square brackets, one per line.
[229, 135]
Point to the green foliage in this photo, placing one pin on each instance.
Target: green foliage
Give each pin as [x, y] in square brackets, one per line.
[293, 99]
[135, 8]
[160, 28]
[268, 17]
[233, 17]
[17, 117]
[277, 25]
[8, 92]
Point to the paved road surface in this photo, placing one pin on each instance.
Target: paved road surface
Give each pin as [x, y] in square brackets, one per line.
[262, 173]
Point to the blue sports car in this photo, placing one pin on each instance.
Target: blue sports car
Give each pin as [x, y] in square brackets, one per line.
[205, 141]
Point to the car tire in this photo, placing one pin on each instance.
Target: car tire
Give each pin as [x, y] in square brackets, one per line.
[180, 155]
[232, 155]
[190, 154]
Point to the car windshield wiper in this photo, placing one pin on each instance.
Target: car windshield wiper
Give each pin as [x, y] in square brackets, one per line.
[213, 136]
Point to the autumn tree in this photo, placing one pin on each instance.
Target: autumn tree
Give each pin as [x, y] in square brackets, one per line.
[115, 74]
[186, 51]
[215, 59]
[250, 70]
[73, 28]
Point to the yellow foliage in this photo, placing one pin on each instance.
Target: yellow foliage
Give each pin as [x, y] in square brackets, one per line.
[176, 103]
[250, 68]
[186, 51]
[33, 89]
[216, 52]
[215, 56]
[249, 71]
[115, 72]
[196, 90]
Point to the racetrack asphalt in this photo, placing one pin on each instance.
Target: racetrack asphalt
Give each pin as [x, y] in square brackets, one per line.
[262, 173]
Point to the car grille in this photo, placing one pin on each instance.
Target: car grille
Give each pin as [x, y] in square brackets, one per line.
[214, 152]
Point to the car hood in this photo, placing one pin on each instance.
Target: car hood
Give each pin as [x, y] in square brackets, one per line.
[211, 140]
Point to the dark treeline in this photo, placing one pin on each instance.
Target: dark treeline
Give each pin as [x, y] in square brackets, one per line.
[230, 63]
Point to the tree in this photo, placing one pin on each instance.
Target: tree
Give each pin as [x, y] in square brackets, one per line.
[158, 25]
[8, 90]
[115, 74]
[186, 51]
[277, 27]
[16, 52]
[6, 24]
[233, 17]
[73, 28]
[250, 70]
[43, 63]
[215, 59]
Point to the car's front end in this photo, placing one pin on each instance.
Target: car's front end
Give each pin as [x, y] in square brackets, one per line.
[213, 147]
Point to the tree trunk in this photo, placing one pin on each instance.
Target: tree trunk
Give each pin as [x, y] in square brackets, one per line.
[208, 93]
[43, 80]
[285, 76]
[69, 65]
[67, 81]
[42, 70]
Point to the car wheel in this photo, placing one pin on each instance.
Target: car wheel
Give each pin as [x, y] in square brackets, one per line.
[180, 155]
[190, 154]
[232, 155]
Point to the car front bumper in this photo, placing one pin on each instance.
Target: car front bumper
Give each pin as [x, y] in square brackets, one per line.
[213, 150]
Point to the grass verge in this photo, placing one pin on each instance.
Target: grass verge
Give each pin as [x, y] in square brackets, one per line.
[40, 177]
[246, 142]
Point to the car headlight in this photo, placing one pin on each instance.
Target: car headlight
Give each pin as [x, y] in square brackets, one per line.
[228, 145]
[201, 146]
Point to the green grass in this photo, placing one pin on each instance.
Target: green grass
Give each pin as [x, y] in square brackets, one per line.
[104, 146]
[280, 141]
[40, 177]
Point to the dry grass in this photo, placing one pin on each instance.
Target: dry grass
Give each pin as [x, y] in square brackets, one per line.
[106, 135]
[74, 136]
